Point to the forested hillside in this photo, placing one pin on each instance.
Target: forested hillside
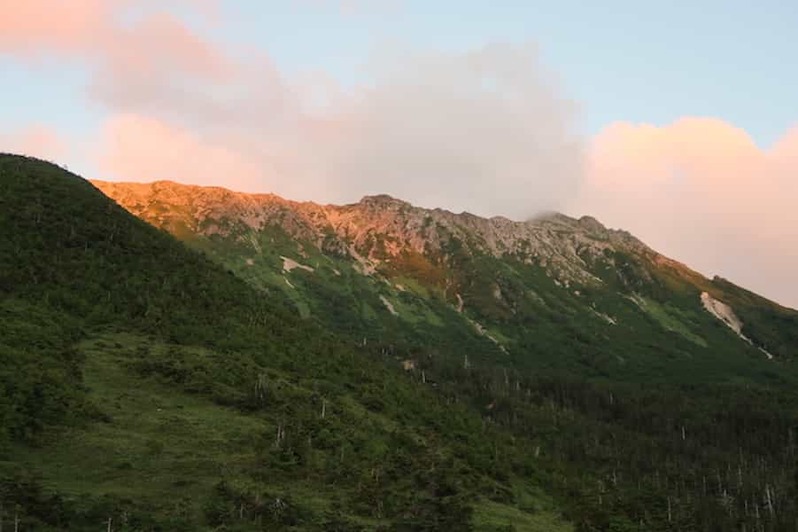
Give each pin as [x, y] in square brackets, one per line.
[147, 385]
[143, 384]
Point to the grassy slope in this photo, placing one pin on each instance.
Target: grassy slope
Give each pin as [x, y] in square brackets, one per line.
[165, 450]
[158, 446]
[660, 331]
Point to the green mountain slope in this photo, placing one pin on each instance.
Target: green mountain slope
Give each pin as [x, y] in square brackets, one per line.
[646, 392]
[142, 384]
[372, 367]
[554, 294]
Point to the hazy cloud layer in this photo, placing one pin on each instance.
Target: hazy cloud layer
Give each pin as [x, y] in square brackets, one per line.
[701, 191]
[485, 131]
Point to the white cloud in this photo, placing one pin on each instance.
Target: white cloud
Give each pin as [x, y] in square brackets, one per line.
[486, 131]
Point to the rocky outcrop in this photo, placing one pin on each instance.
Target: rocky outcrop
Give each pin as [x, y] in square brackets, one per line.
[379, 227]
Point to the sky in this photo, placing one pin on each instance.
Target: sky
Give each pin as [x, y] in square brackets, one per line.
[676, 121]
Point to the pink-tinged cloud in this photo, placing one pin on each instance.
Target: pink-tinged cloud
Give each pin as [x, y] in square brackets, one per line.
[138, 148]
[141, 57]
[36, 141]
[134, 147]
[490, 121]
[700, 190]
[155, 63]
[160, 43]
[128, 39]
[63, 26]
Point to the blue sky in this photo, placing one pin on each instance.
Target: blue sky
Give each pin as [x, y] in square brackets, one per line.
[620, 60]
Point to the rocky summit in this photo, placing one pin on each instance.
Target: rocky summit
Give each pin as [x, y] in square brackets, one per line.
[377, 227]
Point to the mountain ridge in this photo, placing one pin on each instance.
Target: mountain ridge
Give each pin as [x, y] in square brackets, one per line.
[144, 387]
[486, 269]
[243, 378]
[499, 234]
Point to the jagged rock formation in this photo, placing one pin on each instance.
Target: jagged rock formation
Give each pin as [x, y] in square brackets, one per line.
[379, 227]
[519, 286]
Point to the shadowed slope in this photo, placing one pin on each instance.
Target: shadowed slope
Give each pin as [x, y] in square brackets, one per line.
[143, 383]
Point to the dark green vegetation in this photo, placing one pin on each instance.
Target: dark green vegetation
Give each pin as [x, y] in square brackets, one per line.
[143, 383]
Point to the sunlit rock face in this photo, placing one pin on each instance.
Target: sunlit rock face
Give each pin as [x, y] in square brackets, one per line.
[378, 227]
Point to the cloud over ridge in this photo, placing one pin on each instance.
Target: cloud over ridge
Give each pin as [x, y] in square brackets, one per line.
[487, 131]
[700, 190]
